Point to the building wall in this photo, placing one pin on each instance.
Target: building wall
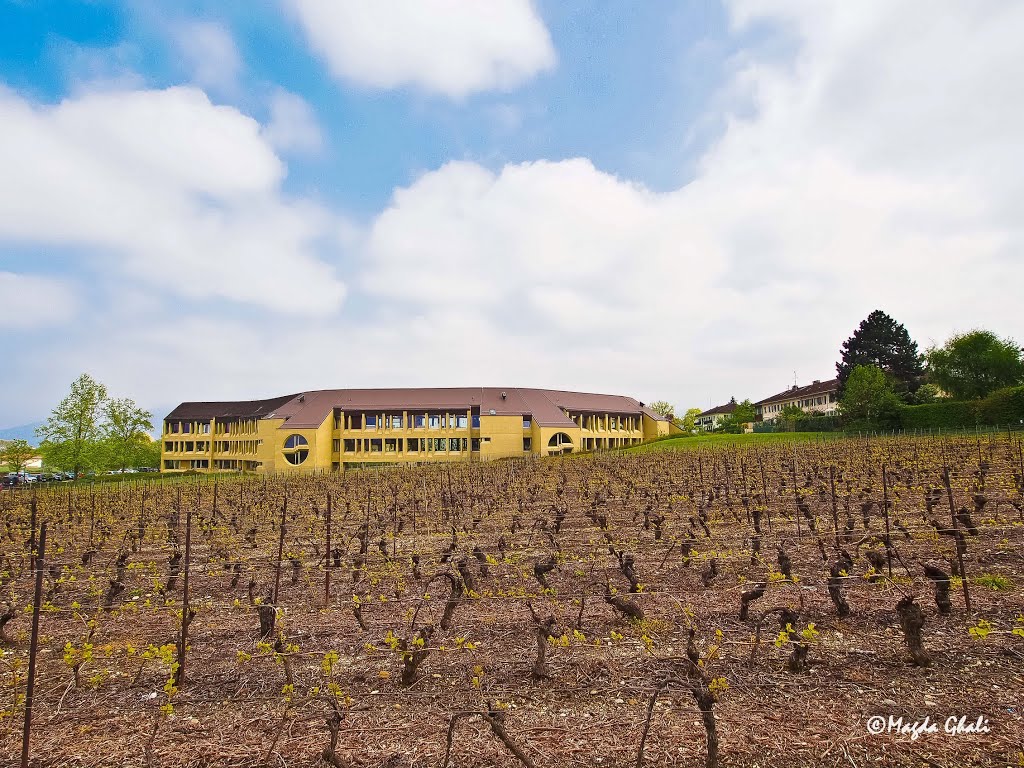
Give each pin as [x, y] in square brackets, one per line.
[260, 445]
[708, 423]
[506, 435]
[652, 428]
[824, 403]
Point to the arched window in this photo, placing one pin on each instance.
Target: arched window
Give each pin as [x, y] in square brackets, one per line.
[296, 449]
[560, 439]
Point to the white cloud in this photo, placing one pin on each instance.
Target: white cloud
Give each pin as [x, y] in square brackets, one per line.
[293, 126]
[450, 47]
[209, 51]
[28, 302]
[872, 170]
[184, 193]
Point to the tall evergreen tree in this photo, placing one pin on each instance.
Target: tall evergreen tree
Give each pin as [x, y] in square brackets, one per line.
[882, 342]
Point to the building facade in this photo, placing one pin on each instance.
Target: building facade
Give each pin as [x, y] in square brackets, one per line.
[818, 398]
[712, 417]
[331, 429]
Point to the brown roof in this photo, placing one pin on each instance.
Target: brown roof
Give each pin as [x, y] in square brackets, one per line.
[240, 409]
[308, 410]
[794, 393]
[721, 409]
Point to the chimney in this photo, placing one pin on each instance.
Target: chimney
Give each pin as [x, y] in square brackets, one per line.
[817, 381]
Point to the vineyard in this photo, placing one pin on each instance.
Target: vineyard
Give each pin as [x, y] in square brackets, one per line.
[731, 607]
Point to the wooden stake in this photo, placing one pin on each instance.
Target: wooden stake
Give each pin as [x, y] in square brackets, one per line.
[280, 549]
[33, 647]
[327, 558]
[956, 529]
[186, 618]
[885, 514]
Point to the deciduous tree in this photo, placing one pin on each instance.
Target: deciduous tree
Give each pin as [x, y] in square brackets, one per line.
[869, 398]
[743, 414]
[15, 454]
[689, 421]
[72, 433]
[663, 407]
[975, 364]
[125, 431]
[791, 414]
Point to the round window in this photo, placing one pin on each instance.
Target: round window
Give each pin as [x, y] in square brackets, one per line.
[296, 449]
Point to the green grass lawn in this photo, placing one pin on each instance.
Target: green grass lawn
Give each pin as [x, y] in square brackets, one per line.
[684, 443]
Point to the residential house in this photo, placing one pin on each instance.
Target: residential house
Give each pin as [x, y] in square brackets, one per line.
[817, 398]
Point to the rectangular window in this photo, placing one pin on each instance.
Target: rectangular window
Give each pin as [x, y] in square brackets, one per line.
[336, 446]
[527, 444]
[526, 422]
[461, 421]
[186, 427]
[350, 446]
[390, 445]
[375, 445]
[189, 447]
[396, 421]
[476, 444]
[435, 421]
[413, 445]
[476, 421]
[440, 445]
[170, 463]
[168, 446]
[370, 421]
[420, 420]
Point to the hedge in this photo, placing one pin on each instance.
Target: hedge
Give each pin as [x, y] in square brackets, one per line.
[1005, 406]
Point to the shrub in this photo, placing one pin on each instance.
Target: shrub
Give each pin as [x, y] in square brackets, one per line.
[1005, 406]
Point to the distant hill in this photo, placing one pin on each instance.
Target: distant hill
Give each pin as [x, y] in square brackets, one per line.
[24, 432]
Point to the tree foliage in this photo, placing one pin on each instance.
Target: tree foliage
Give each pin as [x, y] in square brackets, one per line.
[689, 421]
[972, 365]
[791, 414]
[743, 414]
[663, 407]
[125, 431]
[72, 434]
[869, 398]
[15, 454]
[881, 342]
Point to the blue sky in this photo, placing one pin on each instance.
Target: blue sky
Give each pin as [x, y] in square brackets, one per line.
[629, 92]
[679, 200]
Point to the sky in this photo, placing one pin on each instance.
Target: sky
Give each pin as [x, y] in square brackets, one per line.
[683, 200]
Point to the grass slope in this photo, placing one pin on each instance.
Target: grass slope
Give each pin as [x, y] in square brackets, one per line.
[684, 443]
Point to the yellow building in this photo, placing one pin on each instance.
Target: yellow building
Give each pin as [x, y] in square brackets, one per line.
[332, 429]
